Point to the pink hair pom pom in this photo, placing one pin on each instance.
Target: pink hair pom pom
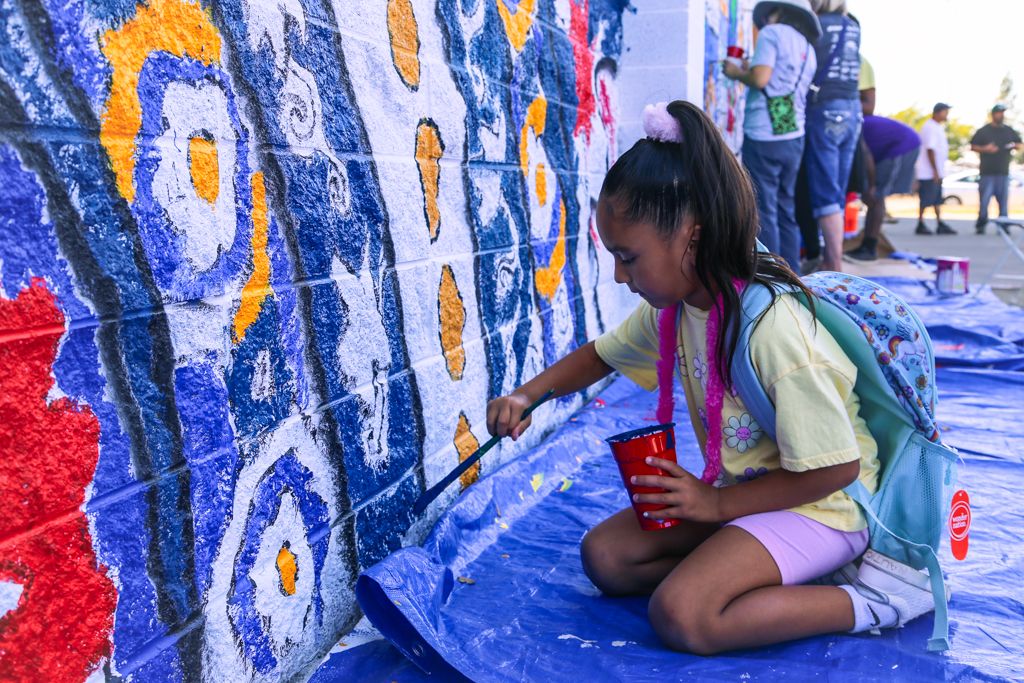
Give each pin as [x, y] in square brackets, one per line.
[660, 125]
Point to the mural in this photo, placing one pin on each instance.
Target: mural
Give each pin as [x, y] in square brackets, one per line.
[727, 22]
[262, 264]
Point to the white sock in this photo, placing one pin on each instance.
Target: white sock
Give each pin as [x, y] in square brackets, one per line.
[869, 615]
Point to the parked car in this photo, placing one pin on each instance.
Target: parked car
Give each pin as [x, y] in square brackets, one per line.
[961, 187]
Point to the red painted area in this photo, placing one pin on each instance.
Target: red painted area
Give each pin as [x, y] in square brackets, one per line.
[584, 58]
[60, 630]
[608, 119]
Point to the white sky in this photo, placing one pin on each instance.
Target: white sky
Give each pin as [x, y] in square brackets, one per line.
[955, 51]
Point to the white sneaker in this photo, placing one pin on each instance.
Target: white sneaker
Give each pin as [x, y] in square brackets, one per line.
[893, 583]
[847, 574]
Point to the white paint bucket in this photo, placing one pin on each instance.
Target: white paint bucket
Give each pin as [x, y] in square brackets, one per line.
[951, 275]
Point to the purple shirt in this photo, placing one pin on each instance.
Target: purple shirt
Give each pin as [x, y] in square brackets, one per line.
[888, 139]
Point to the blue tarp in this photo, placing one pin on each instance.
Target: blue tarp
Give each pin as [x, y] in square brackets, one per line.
[497, 591]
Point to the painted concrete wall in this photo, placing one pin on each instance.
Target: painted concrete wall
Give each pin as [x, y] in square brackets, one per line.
[726, 22]
[262, 264]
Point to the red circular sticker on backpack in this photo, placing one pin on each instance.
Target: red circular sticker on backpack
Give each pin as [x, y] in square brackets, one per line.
[959, 524]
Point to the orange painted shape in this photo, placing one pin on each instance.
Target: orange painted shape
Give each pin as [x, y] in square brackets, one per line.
[451, 313]
[466, 444]
[548, 277]
[204, 167]
[257, 288]
[405, 41]
[541, 182]
[429, 149]
[287, 569]
[177, 27]
[518, 23]
[536, 119]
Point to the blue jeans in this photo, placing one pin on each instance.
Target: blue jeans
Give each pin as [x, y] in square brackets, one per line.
[833, 127]
[773, 166]
[989, 186]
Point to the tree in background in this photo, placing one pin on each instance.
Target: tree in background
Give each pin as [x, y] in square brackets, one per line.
[958, 134]
[1008, 98]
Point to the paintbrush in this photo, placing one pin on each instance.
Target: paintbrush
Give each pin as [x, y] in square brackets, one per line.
[434, 491]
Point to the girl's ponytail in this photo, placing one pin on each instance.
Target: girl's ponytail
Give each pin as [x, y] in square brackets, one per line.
[692, 172]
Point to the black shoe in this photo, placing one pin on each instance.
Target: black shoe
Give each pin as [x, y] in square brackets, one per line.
[979, 227]
[922, 229]
[862, 253]
[811, 265]
[944, 229]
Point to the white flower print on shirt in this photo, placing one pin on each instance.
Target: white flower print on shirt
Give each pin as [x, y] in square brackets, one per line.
[742, 433]
[700, 370]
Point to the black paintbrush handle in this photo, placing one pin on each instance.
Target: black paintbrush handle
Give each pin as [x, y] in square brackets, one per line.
[434, 491]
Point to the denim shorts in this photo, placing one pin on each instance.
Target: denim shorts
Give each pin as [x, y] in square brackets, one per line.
[895, 175]
[929, 191]
[833, 127]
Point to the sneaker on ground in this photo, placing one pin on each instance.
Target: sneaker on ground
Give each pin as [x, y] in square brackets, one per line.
[887, 581]
[979, 227]
[922, 229]
[945, 229]
[862, 253]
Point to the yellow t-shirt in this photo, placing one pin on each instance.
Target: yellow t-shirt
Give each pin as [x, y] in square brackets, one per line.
[867, 75]
[806, 374]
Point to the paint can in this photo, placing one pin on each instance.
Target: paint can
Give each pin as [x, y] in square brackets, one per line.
[851, 215]
[951, 275]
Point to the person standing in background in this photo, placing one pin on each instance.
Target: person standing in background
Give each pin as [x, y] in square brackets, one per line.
[993, 142]
[833, 123]
[773, 126]
[931, 166]
[804, 215]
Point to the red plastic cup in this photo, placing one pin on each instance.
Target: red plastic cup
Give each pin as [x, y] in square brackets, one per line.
[734, 54]
[631, 449]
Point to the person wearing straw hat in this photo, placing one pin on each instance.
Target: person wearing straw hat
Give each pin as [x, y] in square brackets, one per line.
[833, 123]
[779, 75]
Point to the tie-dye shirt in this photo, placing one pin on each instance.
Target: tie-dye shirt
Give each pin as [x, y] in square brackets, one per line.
[806, 374]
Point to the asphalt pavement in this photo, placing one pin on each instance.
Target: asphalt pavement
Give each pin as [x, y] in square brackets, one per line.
[984, 252]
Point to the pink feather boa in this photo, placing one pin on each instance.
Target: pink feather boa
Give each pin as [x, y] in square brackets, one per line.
[666, 360]
[714, 395]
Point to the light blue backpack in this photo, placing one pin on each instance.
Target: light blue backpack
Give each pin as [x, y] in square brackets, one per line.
[896, 386]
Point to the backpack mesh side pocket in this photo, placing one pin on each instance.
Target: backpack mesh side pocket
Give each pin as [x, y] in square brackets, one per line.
[913, 497]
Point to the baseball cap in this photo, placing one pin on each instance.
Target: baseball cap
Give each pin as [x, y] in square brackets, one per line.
[939, 106]
[998, 107]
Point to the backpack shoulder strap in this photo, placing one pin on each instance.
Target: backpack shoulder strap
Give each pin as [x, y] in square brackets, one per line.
[755, 301]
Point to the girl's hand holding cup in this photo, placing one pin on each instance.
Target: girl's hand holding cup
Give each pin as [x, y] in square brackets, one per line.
[685, 496]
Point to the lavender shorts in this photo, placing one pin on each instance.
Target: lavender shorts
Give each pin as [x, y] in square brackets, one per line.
[802, 548]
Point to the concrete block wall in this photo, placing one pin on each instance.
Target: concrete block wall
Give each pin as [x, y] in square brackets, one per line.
[262, 264]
